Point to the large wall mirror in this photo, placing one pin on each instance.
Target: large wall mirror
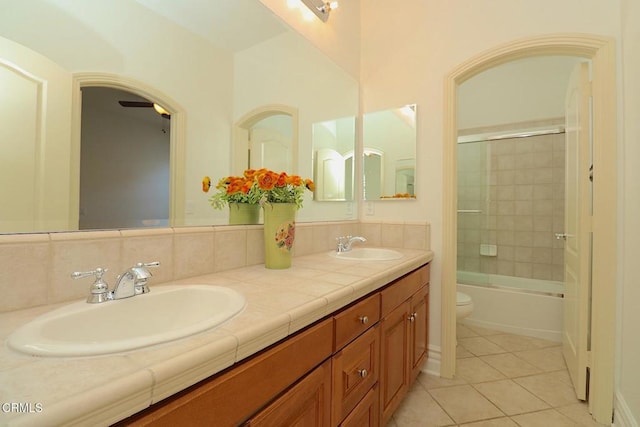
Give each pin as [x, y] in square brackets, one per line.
[216, 61]
[389, 161]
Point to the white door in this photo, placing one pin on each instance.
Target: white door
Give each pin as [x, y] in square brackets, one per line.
[269, 149]
[35, 141]
[577, 233]
[330, 175]
[271, 143]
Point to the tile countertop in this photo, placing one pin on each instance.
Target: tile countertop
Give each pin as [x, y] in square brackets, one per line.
[102, 390]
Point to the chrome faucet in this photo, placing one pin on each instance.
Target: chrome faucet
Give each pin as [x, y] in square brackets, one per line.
[99, 291]
[345, 242]
[130, 283]
[133, 281]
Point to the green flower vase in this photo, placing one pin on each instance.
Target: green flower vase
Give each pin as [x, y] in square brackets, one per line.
[279, 234]
[243, 213]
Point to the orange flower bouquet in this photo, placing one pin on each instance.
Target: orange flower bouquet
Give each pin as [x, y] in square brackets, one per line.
[259, 186]
[232, 189]
[280, 187]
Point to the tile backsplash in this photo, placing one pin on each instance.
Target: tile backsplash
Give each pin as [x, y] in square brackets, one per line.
[35, 268]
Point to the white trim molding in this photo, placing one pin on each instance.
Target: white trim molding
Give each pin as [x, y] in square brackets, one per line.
[432, 367]
[623, 415]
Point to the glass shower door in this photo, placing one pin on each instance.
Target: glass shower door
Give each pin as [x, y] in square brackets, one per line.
[475, 242]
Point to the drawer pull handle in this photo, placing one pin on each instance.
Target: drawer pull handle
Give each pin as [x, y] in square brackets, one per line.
[363, 373]
[364, 320]
[412, 318]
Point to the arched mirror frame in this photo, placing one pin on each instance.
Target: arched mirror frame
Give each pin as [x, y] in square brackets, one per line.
[177, 138]
[241, 134]
[602, 52]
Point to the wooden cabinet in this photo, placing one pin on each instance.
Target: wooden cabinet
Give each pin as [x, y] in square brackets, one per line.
[355, 372]
[366, 413]
[231, 397]
[352, 321]
[353, 368]
[418, 330]
[394, 350]
[306, 404]
[403, 338]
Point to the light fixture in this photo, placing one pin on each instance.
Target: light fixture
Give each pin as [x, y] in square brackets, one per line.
[160, 110]
[321, 8]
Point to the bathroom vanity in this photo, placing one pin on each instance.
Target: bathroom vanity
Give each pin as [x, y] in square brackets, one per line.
[351, 368]
[328, 342]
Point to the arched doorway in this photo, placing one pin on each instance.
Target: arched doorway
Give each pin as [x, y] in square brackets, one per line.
[601, 52]
[266, 137]
[124, 161]
[176, 137]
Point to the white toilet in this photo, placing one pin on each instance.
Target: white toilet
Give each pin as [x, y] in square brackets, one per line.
[464, 305]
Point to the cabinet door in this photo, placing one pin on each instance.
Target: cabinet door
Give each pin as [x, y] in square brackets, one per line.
[366, 414]
[355, 371]
[232, 397]
[419, 319]
[307, 404]
[394, 359]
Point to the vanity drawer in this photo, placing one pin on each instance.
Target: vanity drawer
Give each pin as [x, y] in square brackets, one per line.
[355, 320]
[400, 290]
[355, 372]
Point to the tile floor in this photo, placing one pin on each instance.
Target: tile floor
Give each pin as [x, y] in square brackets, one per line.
[502, 380]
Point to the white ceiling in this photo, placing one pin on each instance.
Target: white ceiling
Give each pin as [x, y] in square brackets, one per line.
[231, 24]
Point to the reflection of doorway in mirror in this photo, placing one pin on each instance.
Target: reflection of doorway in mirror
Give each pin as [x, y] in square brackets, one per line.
[34, 141]
[405, 177]
[392, 132]
[349, 172]
[124, 158]
[333, 144]
[330, 175]
[266, 137]
[270, 143]
[373, 162]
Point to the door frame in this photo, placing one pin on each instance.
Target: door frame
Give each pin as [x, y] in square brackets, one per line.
[602, 53]
[177, 138]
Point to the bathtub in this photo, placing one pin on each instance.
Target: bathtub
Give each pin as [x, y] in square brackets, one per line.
[515, 305]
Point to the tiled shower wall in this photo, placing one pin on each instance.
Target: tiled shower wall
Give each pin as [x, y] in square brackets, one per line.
[511, 197]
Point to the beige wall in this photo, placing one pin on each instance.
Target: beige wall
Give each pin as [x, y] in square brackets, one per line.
[519, 91]
[338, 38]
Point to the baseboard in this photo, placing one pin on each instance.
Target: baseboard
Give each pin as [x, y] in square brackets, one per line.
[432, 367]
[623, 416]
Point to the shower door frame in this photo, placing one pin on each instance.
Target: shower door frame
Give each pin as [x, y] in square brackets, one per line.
[601, 51]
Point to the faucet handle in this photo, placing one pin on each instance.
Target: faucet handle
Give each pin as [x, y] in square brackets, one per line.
[142, 275]
[99, 291]
[98, 273]
[148, 264]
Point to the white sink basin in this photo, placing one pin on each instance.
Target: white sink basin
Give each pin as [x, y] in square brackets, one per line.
[166, 313]
[368, 254]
